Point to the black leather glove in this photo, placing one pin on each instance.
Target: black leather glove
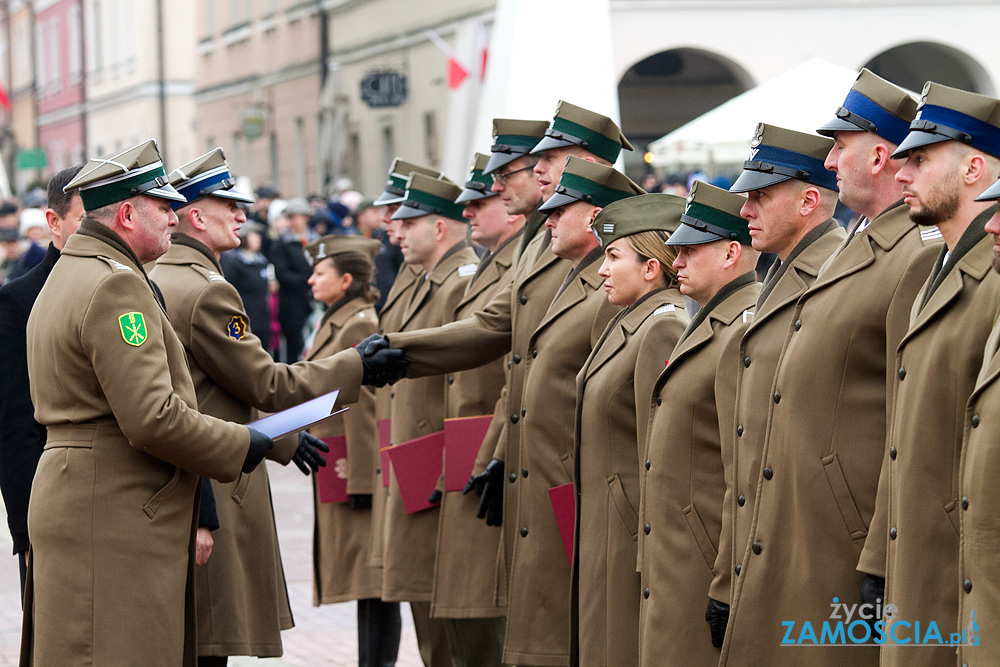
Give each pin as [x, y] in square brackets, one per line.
[873, 593]
[435, 497]
[488, 485]
[260, 445]
[307, 455]
[361, 501]
[717, 616]
[382, 364]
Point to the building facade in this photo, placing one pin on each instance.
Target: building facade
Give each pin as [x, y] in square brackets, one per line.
[59, 83]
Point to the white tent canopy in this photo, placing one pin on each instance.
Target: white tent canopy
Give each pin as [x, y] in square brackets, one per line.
[803, 99]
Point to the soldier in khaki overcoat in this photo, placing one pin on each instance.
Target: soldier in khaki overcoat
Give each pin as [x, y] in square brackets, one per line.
[682, 479]
[432, 237]
[613, 392]
[979, 610]
[242, 598]
[791, 197]
[952, 155]
[470, 590]
[343, 279]
[113, 505]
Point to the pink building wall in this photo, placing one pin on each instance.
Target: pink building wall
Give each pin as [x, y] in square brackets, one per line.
[60, 87]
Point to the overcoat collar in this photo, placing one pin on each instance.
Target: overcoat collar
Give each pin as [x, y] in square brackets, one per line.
[577, 290]
[186, 250]
[970, 238]
[491, 268]
[444, 268]
[333, 321]
[991, 365]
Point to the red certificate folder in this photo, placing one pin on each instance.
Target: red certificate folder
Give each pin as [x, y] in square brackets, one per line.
[417, 465]
[564, 505]
[331, 480]
[384, 438]
[463, 437]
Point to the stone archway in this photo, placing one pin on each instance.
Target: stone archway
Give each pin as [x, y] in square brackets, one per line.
[911, 65]
[663, 91]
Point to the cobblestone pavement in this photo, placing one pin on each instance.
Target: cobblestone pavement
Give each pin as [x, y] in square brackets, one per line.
[322, 637]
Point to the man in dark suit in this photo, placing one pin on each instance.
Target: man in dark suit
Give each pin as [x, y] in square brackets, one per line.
[21, 437]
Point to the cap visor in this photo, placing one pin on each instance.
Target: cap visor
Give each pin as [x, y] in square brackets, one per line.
[166, 191]
[750, 180]
[473, 195]
[235, 195]
[548, 143]
[498, 160]
[387, 198]
[838, 125]
[688, 235]
[991, 193]
[405, 212]
[916, 139]
[557, 200]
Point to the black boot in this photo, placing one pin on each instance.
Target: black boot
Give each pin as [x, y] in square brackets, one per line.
[379, 628]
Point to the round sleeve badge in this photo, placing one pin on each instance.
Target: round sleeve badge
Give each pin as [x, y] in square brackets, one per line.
[237, 328]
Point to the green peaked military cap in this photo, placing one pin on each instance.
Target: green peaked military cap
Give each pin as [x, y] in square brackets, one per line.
[590, 182]
[395, 187]
[513, 138]
[132, 172]
[947, 114]
[576, 126]
[338, 244]
[778, 155]
[430, 196]
[874, 105]
[643, 213]
[711, 214]
[204, 176]
[479, 185]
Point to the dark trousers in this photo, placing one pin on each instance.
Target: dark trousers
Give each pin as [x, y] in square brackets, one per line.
[212, 661]
[22, 563]
[379, 626]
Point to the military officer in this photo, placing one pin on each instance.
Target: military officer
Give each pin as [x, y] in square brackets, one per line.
[979, 611]
[612, 411]
[112, 513]
[431, 234]
[233, 375]
[952, 155]
[682, 479]
[790, 201]
[470, 591]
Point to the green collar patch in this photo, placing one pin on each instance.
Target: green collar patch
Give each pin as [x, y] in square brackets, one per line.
[133, 328]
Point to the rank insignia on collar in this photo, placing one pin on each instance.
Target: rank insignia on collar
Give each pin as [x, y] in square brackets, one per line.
[133, 328]
[237, 328]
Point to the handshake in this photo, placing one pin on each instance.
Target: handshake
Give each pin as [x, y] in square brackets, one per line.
[382, 364]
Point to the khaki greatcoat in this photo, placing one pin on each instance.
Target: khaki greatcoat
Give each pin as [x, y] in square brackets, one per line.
[389, 319]
[469, 579]
[113, 508]
[682, 487]
[759, 352]
[418, 410]
[341, 535]
[613, 392]
[826, 438]
[940, 357]
[242, 597]
[979, 536]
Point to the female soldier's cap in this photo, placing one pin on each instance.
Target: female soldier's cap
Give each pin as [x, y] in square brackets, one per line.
[337, 244]
[642, 213]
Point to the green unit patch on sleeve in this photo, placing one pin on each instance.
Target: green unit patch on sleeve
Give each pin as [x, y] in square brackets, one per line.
[133, 328]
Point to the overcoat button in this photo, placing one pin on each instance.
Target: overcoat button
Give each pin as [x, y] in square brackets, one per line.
[768, 473]
[965, 502]
[648, 464]
[798, 324]
[892, 533]
[451, 379]
[746, 362]
[378, 470]
[975, 421]
[524, 472]
[524, 299]
[512, 477]
[777, 397]
[513, 419]
[738, 568]
[892, 453]
[756, 548]
[739, 430]
[534, 353]
[646, 529]
[645, 592]
[659, 400]
[967, 586]
[902, 373]
[741, 500]
[524, 532]
[517, 358]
